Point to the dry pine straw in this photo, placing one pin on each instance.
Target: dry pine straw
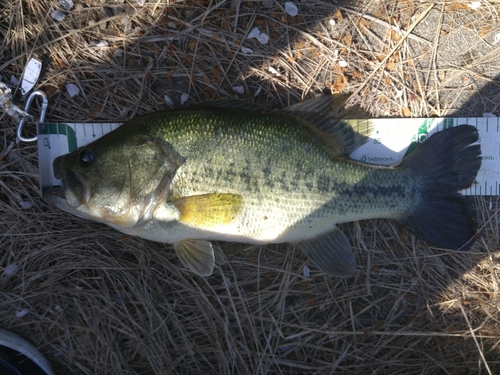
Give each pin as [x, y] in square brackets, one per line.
[96, 302]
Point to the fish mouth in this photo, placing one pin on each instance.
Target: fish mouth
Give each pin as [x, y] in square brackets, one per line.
[75, 189]
[57, 198]
[78, 191]
[72, 196]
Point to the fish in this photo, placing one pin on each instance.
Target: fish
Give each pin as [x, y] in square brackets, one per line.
[228, 170]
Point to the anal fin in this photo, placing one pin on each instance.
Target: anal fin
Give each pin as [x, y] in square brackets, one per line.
[331, 253]
[220, 258]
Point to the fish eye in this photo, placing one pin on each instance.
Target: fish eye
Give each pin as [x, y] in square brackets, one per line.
[85, 157]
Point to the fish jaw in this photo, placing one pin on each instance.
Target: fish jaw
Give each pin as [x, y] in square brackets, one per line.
[66, 200]
[135, 217]
[57, 198]
[75, 186]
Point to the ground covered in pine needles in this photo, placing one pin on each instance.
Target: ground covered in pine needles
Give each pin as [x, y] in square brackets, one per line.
[97, 302]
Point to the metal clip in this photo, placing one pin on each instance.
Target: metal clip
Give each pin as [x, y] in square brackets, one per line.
[5, 96]
[26, 109]
[9, 107]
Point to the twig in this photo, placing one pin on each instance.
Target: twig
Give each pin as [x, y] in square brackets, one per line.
[380, 22]
[433, 59]
[470, 328]
[382, 63]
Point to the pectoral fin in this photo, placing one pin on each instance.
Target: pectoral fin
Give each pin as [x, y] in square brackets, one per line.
[331, 253]
[208, 210]
[197, 255]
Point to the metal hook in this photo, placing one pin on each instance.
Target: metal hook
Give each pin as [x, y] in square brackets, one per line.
[26, 108]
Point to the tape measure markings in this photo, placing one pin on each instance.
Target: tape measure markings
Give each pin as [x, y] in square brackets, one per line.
[391, 140]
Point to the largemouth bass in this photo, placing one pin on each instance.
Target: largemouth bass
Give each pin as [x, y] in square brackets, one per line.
[233, 172]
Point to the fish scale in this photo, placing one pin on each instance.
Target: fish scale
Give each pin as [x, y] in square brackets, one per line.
[273, 172]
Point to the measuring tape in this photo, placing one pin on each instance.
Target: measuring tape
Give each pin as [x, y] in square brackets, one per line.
[391, 140]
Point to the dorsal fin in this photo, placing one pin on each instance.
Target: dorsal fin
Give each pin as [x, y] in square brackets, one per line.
[327, 114]
[230, 103]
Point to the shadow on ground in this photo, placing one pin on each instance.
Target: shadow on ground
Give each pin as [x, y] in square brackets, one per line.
[99, 302]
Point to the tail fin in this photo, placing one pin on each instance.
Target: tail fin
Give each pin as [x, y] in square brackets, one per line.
[448, 162]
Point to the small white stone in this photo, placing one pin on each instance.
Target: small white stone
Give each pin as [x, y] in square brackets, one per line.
[22, 313]
[57, 15]
[168, 100]
[307, 271]
[254, 33]
[184, 98]
[246, 50]
[67, 4]
[273, 71]
[263, 38]
[72, 89]
[239, 89]
[291, 9]
[103, 44]
[10, 270]
[27, 204]
[474, 5]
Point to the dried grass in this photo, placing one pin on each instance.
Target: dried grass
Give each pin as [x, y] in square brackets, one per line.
[101, 303]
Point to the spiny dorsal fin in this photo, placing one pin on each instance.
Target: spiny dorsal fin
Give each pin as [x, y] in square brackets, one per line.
[208, 210]
[230, 103]
[327, 114]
